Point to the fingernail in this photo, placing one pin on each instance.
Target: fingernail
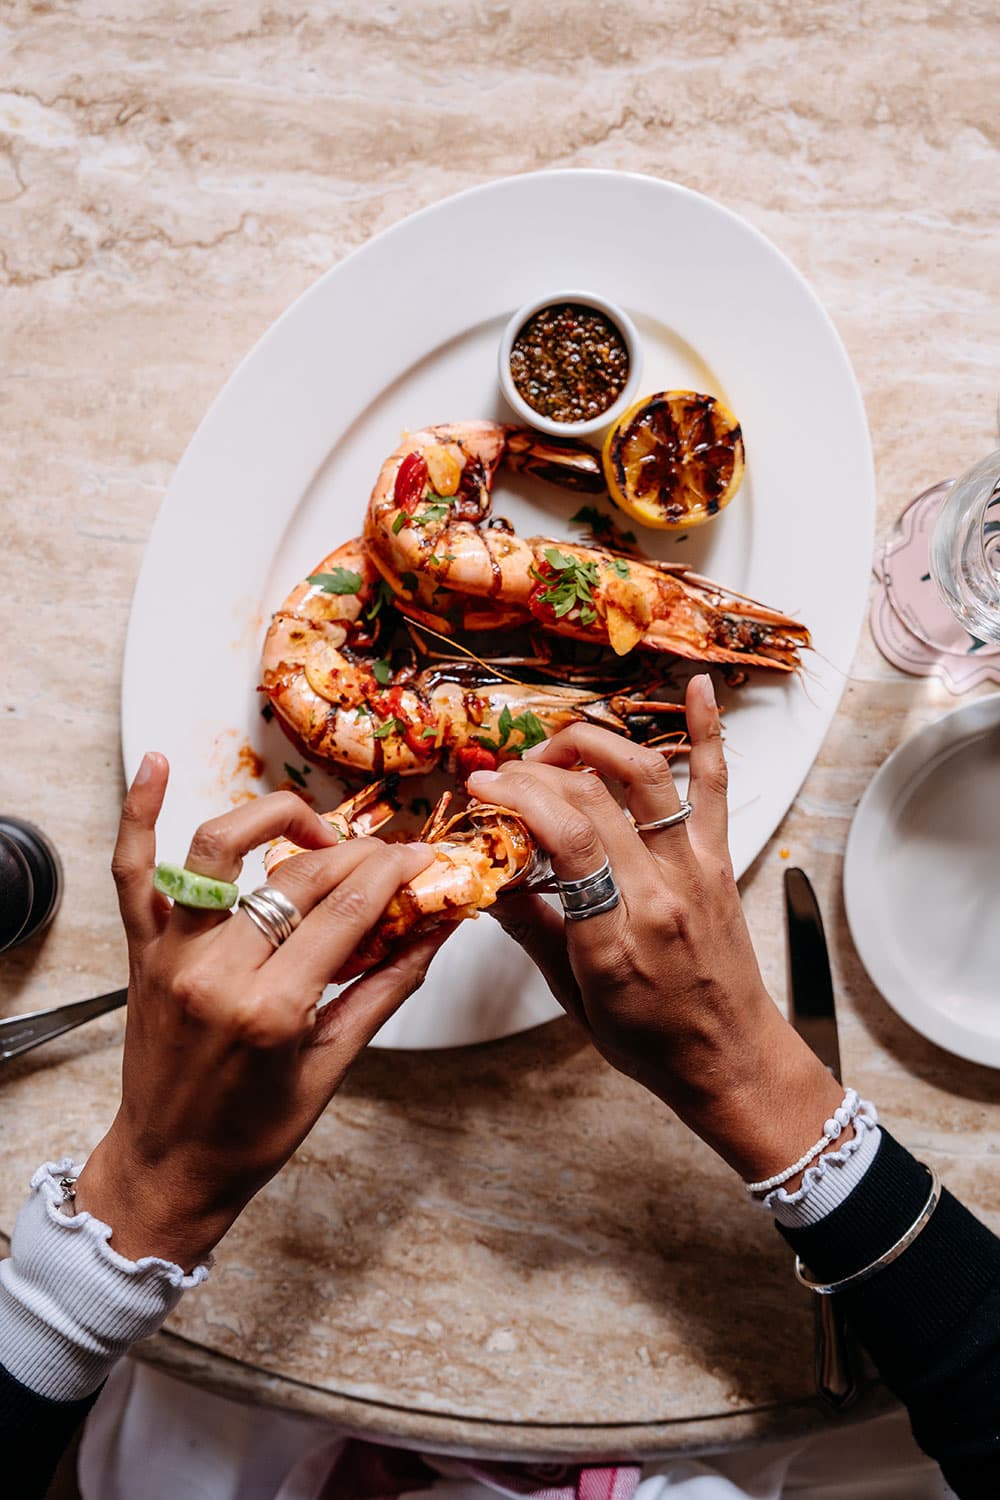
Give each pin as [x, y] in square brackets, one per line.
[145, 770]
[536, 751]
[707, 689]
[484, 778]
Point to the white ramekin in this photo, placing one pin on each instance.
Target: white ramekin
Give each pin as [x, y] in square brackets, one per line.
[528, 414]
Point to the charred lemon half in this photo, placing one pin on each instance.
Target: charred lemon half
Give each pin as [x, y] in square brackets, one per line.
[674, 459]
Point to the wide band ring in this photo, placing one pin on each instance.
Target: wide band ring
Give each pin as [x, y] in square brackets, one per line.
[608, 904]
[272, 913]
[680, 816]
[590, 896]
[568, 887]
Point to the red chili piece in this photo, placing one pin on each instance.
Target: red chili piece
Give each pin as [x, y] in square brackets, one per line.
[542, 609]
[411, 482]
[473, 758]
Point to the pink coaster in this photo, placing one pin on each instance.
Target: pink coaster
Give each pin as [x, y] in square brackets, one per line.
[913, 627]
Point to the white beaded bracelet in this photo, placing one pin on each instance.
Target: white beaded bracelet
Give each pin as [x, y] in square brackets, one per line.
[839, 1121]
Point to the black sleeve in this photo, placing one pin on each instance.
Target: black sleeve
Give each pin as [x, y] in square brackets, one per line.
[34, 1434]
[931, 1319]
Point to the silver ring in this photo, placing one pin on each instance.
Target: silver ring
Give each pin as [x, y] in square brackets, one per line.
[567, 887]
[590, 896]
[593, 911]
[680, 816]
[272, 913]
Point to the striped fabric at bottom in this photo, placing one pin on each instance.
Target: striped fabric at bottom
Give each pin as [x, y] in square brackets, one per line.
[368, 1471]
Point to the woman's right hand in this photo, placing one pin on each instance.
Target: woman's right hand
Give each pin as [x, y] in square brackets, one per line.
[667, 983]
[227, 1064]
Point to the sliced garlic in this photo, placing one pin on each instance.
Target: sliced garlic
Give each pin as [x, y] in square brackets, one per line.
[626, 612]
[443, 469]
[323, 668]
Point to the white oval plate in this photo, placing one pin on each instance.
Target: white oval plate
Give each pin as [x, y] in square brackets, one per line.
[404, 333]
[920, 880]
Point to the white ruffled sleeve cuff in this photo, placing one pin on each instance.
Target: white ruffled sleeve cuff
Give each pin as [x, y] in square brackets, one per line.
[831, 1179]
[70, 1305]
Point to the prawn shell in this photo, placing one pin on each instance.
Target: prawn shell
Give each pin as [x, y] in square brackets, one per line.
[454, 888]
[358, 818]
[478, 853]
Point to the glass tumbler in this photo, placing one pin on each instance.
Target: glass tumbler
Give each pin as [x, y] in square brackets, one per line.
[965, 549]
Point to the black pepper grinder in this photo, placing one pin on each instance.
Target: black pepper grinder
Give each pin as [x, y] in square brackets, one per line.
[31, 881]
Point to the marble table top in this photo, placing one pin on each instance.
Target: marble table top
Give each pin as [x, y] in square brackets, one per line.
[507, 1248]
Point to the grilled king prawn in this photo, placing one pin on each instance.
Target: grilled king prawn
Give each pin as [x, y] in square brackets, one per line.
[478, 853]
[341, 701]
[429, 532]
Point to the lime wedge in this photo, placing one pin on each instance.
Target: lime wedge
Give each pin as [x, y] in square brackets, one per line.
[189, 889]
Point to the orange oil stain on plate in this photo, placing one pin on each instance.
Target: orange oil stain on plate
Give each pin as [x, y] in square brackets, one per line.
[248, 762]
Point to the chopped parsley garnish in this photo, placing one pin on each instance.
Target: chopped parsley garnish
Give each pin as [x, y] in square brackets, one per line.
[620, 567]
[428, 734]
[294, 775]
[391, 726]
[338, 581]
[528, 725]
[572, 587]
[436, 512]
[381, 671]
[596, 520]
[383, 595]
[399, 522]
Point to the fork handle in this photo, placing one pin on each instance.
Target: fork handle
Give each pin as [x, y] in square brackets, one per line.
[20, 1033]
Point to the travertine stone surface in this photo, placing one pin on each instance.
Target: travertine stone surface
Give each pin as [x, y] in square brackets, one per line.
[512, 1234]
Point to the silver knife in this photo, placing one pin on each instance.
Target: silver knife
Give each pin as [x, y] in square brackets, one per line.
[20, 1033]
[814, 1016]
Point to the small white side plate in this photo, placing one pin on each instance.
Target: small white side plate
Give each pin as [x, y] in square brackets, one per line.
[921, 881]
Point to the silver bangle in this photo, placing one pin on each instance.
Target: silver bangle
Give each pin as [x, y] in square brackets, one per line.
[824, 1289]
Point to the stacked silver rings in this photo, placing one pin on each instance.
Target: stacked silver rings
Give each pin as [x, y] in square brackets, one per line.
[590, 896]
[272, 913]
